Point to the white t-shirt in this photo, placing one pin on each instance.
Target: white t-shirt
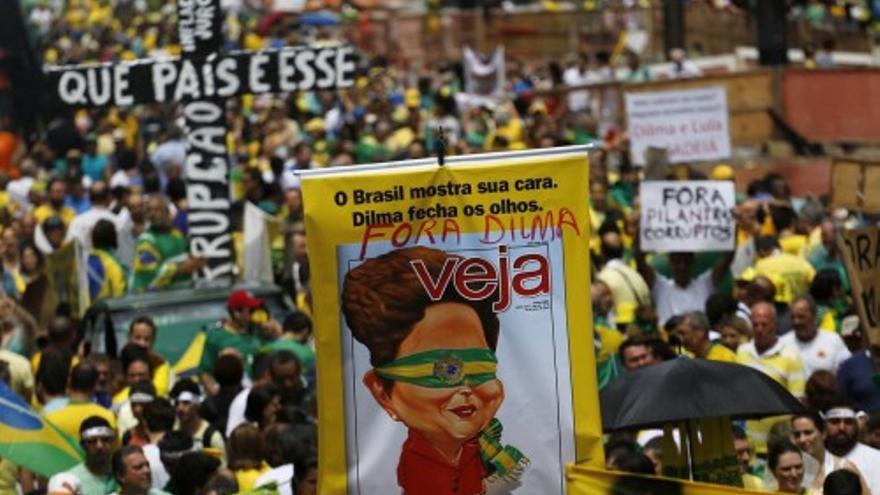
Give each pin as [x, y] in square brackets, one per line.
[672, 300]
[282, 476]
[825, 352]
[867, 459]
[160, 476]
[236, 411]
[81, 226]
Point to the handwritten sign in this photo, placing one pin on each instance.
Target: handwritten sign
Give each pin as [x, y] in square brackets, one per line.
[861, 254]
[496, 246]
[687, 216]
[691, 124]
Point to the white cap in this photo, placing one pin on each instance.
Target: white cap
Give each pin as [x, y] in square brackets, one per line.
[64, 484]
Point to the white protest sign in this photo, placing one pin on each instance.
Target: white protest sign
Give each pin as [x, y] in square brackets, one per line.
[691, 124]
[687, 216]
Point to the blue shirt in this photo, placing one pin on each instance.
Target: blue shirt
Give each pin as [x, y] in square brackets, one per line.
[78, 205]
[855, 379]
[93, 166]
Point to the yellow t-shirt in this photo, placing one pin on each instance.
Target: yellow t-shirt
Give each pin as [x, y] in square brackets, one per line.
[69, 418]
[794, 273]
[752, 482]
[794, 244]
[35, 361]
[718, 352]
[8, 476]
[246, 478]
[163, 377]
[44, 211]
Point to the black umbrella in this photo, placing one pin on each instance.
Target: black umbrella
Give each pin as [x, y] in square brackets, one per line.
[683, 388]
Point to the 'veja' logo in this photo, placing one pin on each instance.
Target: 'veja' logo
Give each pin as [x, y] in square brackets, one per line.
[476, 279]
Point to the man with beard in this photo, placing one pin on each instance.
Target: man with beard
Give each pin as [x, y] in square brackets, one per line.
[807, 432]
[841, 439]
[98, 440]
[161, 259]
[55, 207]
[187, 404]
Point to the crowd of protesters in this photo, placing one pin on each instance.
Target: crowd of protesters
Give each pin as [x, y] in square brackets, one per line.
[780, 303]
[112, 181]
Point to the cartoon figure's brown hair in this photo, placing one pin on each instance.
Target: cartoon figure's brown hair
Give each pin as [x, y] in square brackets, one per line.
[382, 299]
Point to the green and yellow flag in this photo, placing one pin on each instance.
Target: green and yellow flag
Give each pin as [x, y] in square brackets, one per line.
[32, 442]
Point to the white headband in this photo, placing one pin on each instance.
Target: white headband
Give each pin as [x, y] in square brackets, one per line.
[140, 398]
[187, 396]
[840, 413]
[97, 431]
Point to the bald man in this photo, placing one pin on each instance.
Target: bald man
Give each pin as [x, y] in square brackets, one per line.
[768, 355]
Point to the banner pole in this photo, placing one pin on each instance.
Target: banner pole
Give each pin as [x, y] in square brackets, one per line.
[441, 145]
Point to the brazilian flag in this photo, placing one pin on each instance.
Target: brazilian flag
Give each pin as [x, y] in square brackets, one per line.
[32, 442]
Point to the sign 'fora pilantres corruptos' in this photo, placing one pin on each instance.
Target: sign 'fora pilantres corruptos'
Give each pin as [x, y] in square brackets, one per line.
[687, 216]
[201, 79]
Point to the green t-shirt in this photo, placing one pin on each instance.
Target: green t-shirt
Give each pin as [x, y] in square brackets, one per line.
[621, 195]
[222, 337]
[91, 484]
[821, 260]
[303, 353]
[156, 258]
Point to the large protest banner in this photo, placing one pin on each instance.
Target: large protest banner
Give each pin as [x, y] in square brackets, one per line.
[861, 255]
[692, 124]
[202, 79]
[175, 79]
[687, 216]
[453, 300]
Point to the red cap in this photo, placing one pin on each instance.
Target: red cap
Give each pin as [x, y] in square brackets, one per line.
[241, 299]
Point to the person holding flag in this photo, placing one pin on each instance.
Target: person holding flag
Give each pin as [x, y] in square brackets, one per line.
[32, 442]
[161, 258]
[107, 276]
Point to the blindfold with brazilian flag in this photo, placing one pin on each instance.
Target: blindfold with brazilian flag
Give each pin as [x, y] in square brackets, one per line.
[32, 442]
[454, 319]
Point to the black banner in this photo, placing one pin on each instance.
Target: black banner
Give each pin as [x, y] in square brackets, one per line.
[207, 161]
[202, 75]
[202, 78]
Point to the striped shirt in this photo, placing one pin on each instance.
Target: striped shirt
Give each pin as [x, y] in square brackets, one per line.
[781, 363]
